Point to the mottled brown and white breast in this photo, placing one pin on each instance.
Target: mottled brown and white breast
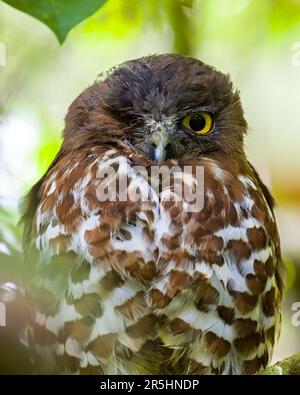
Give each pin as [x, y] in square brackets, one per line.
[125, 287]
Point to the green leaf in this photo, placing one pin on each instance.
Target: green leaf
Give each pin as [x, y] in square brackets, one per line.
[59, 15]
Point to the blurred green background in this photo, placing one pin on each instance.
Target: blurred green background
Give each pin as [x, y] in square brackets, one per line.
[256, 41]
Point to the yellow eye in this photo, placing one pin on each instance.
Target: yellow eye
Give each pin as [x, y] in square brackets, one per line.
[199, 122]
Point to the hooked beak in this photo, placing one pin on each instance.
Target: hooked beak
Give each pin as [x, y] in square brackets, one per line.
[160, 142]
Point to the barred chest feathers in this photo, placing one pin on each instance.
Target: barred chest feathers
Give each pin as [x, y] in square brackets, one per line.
[125, 289]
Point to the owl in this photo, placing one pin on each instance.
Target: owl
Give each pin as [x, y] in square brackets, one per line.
[145, 282]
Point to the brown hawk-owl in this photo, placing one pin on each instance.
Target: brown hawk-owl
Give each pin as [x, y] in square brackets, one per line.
[142, 286]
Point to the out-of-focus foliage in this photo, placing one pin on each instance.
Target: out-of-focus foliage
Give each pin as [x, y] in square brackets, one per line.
[257, 42]
[290, 366]
[59, 15]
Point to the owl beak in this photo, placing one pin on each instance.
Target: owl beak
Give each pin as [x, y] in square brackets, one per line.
[159, 153]
[161, 142]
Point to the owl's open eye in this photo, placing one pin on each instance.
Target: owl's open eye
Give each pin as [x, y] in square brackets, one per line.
[199, 122]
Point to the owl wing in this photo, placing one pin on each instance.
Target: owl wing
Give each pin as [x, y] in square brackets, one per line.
[281, 269]
[267, 194]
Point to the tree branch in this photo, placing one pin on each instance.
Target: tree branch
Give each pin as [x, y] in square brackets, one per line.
[287, 367]
[181, 26]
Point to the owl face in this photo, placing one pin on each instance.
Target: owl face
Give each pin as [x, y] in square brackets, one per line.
[165, 107]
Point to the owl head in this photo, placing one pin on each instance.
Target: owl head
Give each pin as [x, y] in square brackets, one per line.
[163, 106]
